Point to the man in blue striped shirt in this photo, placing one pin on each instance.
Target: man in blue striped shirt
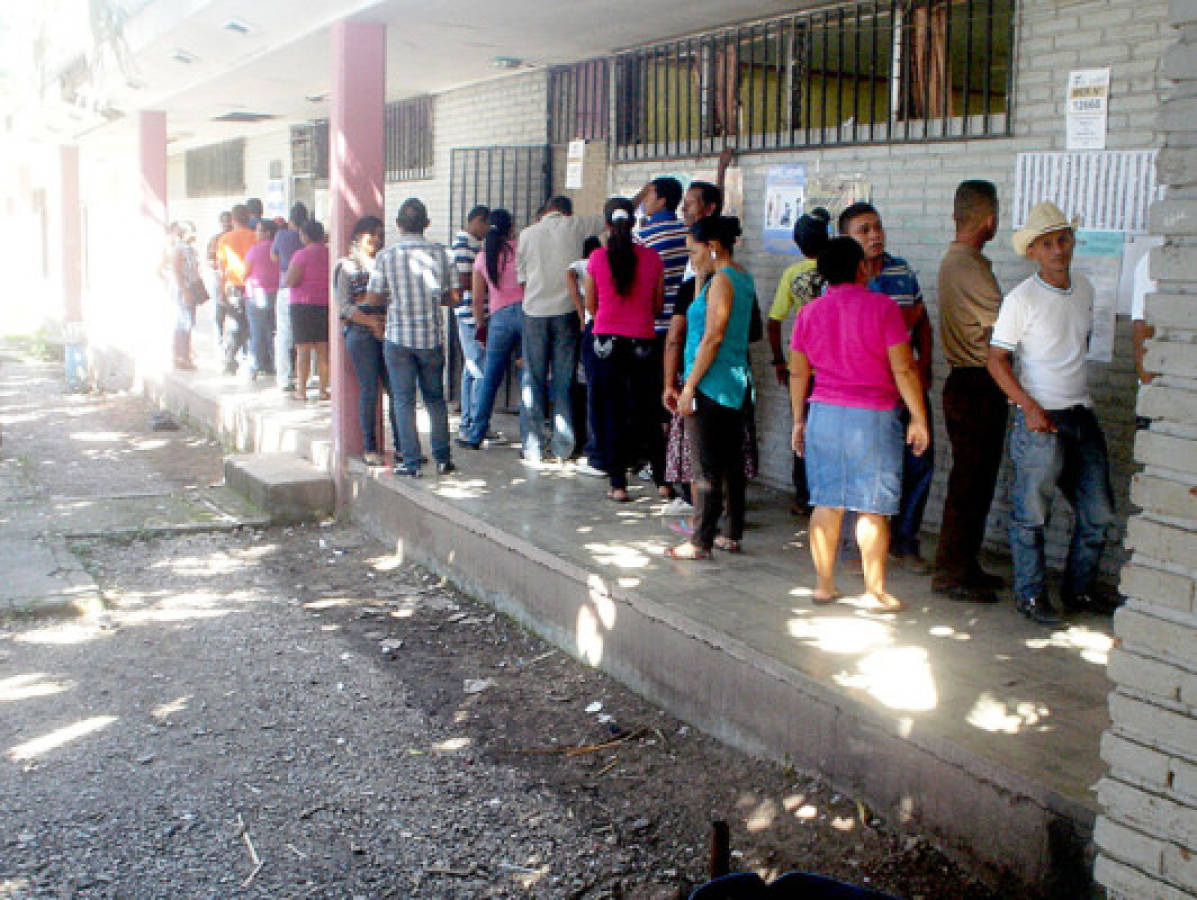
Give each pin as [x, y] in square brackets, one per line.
[892, 275]
[665, 233]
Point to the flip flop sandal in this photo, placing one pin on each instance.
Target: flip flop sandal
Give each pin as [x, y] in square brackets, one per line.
[617, 496]
[823, 601]
[726, 544]
[693, 553]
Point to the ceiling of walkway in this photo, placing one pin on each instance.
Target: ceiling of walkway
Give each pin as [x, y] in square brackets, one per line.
[283, 56]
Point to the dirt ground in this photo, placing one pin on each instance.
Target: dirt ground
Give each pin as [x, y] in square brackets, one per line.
[291, 712]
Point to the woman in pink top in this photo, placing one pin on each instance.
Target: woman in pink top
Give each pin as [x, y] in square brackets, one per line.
[855, 343]
[625, 290]
[307, 277]
[498, 300]
[261, 287]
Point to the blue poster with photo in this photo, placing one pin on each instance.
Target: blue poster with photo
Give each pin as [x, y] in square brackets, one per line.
[785, 200]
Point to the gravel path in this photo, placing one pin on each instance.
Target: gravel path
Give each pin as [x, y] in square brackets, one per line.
[292, 713]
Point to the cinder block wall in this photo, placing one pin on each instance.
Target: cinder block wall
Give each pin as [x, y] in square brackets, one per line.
[1147, 833]
[912, 186]
[508, 111]
[260, 151]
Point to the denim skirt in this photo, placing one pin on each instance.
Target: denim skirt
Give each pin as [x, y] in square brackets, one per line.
[854, 458]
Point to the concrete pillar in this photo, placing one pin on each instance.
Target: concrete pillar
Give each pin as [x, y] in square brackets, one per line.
[149, 343]
[1146, 834]
[152, 134]
[356, 179]
[71, 245]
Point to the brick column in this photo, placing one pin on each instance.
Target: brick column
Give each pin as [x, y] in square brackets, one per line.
[356, 171]
[1147, 832]
[71, 248]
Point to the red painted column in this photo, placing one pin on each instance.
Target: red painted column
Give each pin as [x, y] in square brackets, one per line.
[152, 221]
[152, 132]
[356, 181]
[71, 214]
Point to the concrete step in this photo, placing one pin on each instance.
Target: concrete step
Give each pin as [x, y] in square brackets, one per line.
[285, 486]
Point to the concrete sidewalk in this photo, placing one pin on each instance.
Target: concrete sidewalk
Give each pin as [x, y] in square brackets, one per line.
[80, 465]
[965, 721]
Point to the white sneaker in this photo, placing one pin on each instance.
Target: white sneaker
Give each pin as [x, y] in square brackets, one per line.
[677, 507]
[585, 468]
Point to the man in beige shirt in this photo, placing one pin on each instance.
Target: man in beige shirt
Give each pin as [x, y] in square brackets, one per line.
[974, 407]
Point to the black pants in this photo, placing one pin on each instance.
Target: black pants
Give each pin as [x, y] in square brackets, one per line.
[236, 326]
[626, 406]
[975, 411]
[719, 462]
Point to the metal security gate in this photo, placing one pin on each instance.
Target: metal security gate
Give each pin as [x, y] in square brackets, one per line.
[517, 179]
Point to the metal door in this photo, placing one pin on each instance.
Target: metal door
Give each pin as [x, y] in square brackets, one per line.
[518, 179]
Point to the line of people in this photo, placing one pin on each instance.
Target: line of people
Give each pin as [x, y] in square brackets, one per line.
[631, 342]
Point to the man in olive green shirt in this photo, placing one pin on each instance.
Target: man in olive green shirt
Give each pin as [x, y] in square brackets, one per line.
[974, 407]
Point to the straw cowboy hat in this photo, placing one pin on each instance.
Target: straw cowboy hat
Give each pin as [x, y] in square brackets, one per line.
[1044, 218]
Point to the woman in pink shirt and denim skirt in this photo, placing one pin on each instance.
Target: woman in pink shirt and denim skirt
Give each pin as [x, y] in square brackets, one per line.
[855, 344]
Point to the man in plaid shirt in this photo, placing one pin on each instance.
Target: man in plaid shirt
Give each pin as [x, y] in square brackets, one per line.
[414, 278]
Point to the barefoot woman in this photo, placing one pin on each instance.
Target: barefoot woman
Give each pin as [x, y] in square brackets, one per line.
[854, 343]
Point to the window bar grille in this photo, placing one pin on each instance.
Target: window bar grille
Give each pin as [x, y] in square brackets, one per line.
[966, 98]
[988, 58]
[800, 80]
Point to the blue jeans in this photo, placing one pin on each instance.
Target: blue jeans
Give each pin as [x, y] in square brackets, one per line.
[284, 348]
[407, 367]
[261, 304]
[365, 352]
[1073, 459]
[472, 362]
[504, 334]
[551, 343]
[917, 473]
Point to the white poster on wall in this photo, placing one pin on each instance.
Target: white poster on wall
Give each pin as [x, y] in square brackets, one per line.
[1088, 108]
[574, 165]
[1098, 257]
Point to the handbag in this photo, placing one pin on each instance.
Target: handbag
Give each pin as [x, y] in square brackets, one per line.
[194, 293]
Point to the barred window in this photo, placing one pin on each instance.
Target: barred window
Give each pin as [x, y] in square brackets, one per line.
[216, 170]
[864, 72]
[309, 150]
[579, 101]
[409, 139]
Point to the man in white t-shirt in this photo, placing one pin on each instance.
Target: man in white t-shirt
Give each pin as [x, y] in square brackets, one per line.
[1056, 440]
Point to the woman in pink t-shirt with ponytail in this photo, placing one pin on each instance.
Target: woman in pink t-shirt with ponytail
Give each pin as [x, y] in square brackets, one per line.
[855, 344]
[625, 290]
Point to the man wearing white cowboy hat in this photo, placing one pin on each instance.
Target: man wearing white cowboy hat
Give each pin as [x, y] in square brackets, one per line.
[1056, 441]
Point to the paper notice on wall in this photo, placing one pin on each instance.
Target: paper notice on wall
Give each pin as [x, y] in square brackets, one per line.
[574, 165]
[275, 201]
[835, 193]
[1098, 257]
[785, 201]
[1108, 190]
[1088, 108]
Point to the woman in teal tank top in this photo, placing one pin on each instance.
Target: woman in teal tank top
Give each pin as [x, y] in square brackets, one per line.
[718, 384]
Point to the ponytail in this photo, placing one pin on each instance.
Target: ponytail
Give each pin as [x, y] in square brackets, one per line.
[621, 250]
[494, 245]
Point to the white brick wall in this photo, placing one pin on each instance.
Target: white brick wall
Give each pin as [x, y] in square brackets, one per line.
[504, 112]
[912, 186]
[1147, 832]
[260, 151]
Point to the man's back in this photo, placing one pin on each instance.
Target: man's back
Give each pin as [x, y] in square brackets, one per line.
[231, 249]
[414, 274]
[546, 250]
